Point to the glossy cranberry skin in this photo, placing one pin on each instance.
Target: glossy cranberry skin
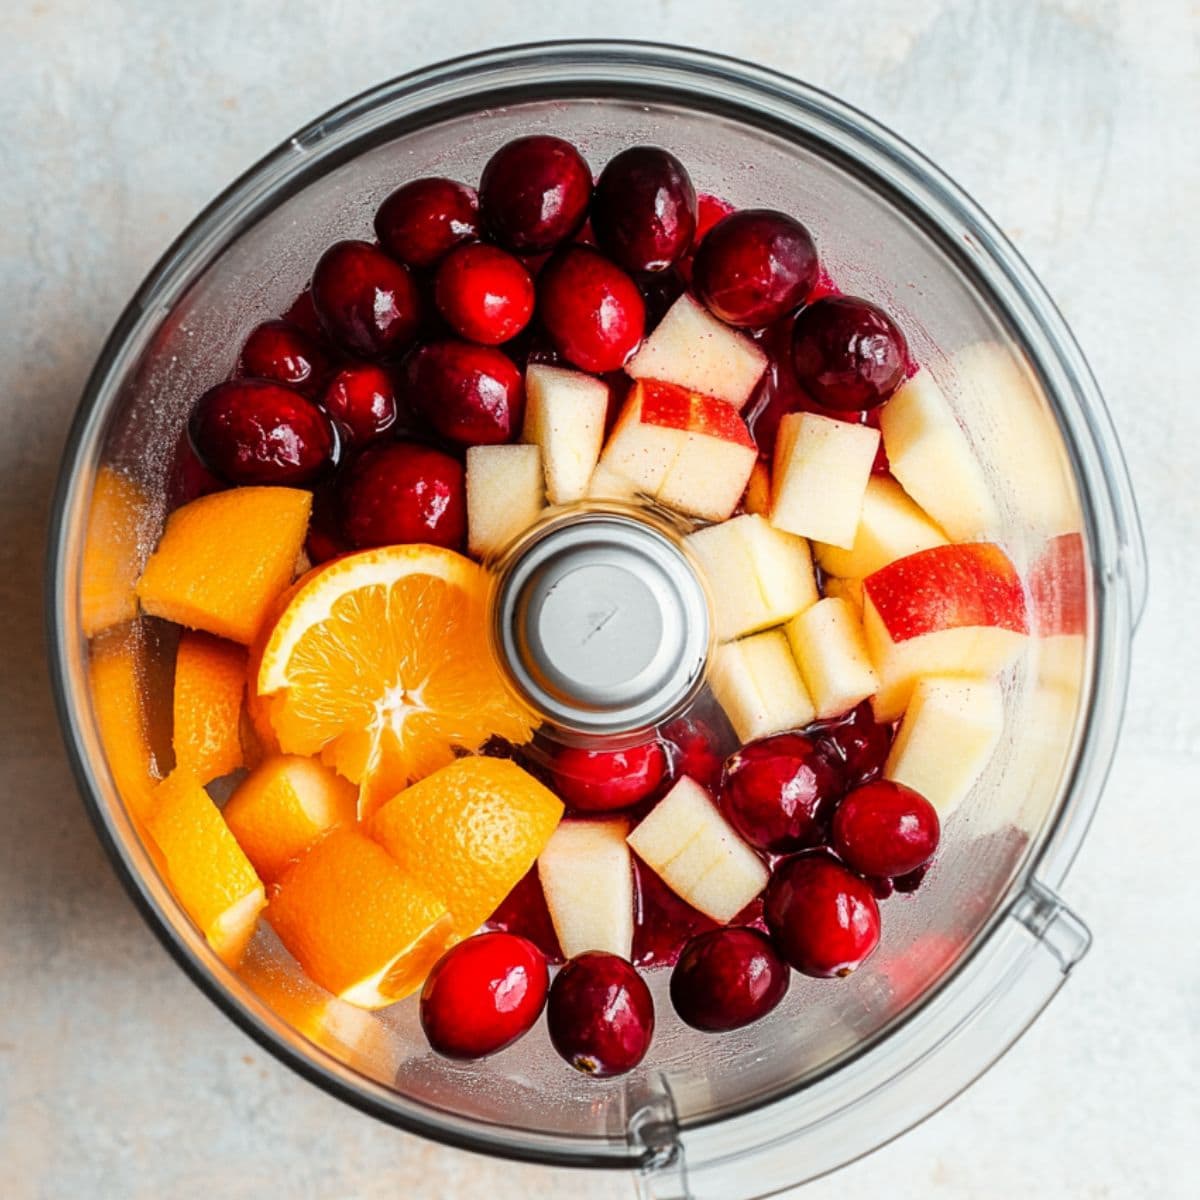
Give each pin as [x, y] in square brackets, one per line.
[473, 395]
[856, 747]
[822, 917]
[644, 209]
[755, 266]
[600, 1015]
[605, 780]
[283, 352]
[591, 309]
[367, 301]
[483, 995]
[534, 193]
[695, 751]
[777, 793]
[886, 829]
[425, 219]
[485, 293]
[848, 354]
[252, 431]
[728, 978]
[362, 400]
[403, 492]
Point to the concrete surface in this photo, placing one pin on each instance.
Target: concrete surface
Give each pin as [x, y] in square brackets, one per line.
[1073, 122]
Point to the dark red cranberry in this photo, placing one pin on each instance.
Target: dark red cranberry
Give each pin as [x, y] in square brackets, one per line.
[907, 884]
[881, 886]
[777, 393]
[822, 917]
[603, 780]
[856, 747]
[755, 266]
[777, 793]
[403, 492]
[591, 309]
[425, 219]
[367, 301]
[473, 395]
[695, 751]
[362, 400]
[644, 209]
[303, 315]
[284, 353]
[728, 978]
[534, 193]
[848, 353]
[252, 431]
[188, 478]
[709, 210]
[485, 293]
[600, 1015]
[523, 911]
[885, 828]
[659, 292]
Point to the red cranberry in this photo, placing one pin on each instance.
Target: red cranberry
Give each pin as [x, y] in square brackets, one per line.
[534, 193]
[776, 793]
[425, 219]
[483, 995]
[777, 393]
[881, 886]
[848, 353]
[728, 978]
[283, 353]
[188, 478]
[324, 540]
[473, 395]
[362, 400]
[885, 828]
[600, 1014]
[404, 492]
[823, 918]
[709, 210]
[907, 884]
[303, 315]
[485, 293]
[696, 754]
[367, 302]
[856, 747]
[755, 266]
[252, 431]
[659, 292]
[644, 209]
[602, 780]
[591, 309]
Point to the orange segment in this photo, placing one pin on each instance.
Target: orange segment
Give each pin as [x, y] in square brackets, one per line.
[210, 681]
[207, 871]
[358, 924]
[223, 559]
[469, 832]
[110, 552]
[283, 806]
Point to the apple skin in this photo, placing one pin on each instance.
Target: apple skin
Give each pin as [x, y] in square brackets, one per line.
[1058, 587]
[673, 407]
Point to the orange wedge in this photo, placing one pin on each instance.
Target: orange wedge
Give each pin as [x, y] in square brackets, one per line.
[469, 832]
[284, 805]
[380, 663]
[210, 681]
[359, 925]
[110, 552]
[206, 869]
[225, 558]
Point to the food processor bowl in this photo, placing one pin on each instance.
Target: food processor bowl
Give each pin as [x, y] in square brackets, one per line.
[966, 962]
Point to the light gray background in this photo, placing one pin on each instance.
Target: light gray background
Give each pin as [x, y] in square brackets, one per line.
[1074, 123]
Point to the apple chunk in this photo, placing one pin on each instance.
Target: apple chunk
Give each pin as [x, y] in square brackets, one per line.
[756, 681]
[831, 652]
[504, 495]
[564, 415]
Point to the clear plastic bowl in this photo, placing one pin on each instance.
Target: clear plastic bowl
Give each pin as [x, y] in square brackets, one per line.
[968, 961]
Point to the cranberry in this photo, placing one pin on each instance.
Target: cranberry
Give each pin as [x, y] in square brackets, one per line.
[755, 266]
[602, 780]
[591, 309]
[881, 886]
[188, 478]
[362, 400]
[485, 293]
[695, 750]
[709, 210]
[728, 978]
[600, 1014]
[425, 219]
[284, 353]
[403, 492]
[823, 918]
[523, 911]
[659, 292]
[776, 792]
[367, 302]
[848, 353]
[885, 828]
[252, 431]
[907, 884]
[777, 393]
[473, 395]
[303, 315]
[856, 747]
[534, 193]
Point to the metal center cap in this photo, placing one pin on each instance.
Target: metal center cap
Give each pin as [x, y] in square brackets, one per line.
[603, 623]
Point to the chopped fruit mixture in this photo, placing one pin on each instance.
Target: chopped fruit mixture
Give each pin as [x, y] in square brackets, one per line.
[436, 404]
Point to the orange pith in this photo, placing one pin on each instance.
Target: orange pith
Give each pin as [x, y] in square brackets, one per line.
[210, 681]
[110, 552]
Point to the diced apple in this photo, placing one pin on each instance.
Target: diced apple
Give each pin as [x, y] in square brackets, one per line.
[564, 415]
[607, 484]
[830, 650]
[505, 495]
[587, 877]
[850, 590]
[648, 435]
[820, 476]
[757, 498]
[947, 736]
[758, 576]
[691, 348]
[692, 848]
[756, 681]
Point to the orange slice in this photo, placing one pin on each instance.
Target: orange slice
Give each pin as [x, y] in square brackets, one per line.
[380, 663]
[207, 870]
[225, 558]
[469, 832]
[110, 552]
[284, 805]
[210, 681]
[359, 925]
